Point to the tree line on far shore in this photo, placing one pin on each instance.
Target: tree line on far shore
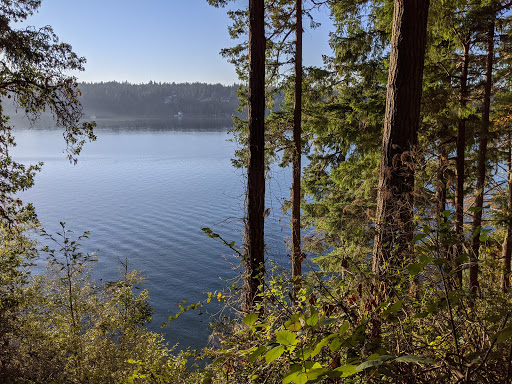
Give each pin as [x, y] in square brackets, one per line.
[112, 99]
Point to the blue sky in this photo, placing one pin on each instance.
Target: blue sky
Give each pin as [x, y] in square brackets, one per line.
[159, 40]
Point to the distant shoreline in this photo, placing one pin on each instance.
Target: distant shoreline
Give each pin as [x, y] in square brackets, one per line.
[152, 122]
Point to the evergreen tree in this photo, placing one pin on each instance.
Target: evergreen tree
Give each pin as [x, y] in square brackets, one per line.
[395, 229]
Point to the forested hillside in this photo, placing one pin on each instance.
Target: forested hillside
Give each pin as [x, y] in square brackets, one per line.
[158, 99]
[157, 105]
[403, 211]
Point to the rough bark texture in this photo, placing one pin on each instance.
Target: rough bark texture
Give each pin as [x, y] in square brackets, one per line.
[254, 230]
[297, 150]
[481, 165]
[461, 147]
[507, 242]
[396, 181]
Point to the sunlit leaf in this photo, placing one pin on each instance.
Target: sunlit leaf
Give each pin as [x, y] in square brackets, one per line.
[250, 319]
[274, 353]
[347, 370]
[254, 355]
[313, 319]
[335, 344]
[286, 338]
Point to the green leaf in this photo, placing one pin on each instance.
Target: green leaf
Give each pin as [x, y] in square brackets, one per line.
[414, 269]
[328, 321]
[504, 335]
[274, 353]
[302, 378]
[313, 319]
[291, 378]
[419, 236]
[373, 356]
[483, 238]
[208, 378]
[393, 308]
[253, 356]
[347, 370]
[294, 323]
[286, 338]
[344, 328]
[440, 262]
[420, 315]
[315, 373]
[312, 365]
[413, 359]
[321, 344]
[374, 363]
[335, 344]
[250, 319]
[295, 368]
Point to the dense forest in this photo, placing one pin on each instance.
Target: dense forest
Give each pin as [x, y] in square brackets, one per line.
[158, 99]
[126, 104]
[403, 209]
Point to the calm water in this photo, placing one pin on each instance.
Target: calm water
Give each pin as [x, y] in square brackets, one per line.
[144, 196]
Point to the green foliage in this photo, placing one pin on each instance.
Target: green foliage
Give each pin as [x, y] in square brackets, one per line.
[71, 330]
[417, 323]
[427, 331]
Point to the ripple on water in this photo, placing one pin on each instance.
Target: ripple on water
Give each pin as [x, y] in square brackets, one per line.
[145, 196]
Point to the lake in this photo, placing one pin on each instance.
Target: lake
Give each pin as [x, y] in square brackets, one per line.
[144, 195]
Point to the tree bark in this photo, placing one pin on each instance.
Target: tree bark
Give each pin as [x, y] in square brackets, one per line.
[394, 225]
[481, 165]
[461, 147]
[441, 197]
[507, 242]
[254, 229]
[297, 149]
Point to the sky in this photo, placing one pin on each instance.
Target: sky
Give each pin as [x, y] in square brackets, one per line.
[159, 40]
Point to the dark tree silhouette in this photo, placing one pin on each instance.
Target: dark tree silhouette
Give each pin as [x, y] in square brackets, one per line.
[254, 229]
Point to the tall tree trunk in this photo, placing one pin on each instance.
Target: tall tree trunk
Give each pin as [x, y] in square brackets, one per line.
[441, 196]
[507, 242]
[297, 150]
[254, 229]
[461, 147]
[481, 165]
[394, 225]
